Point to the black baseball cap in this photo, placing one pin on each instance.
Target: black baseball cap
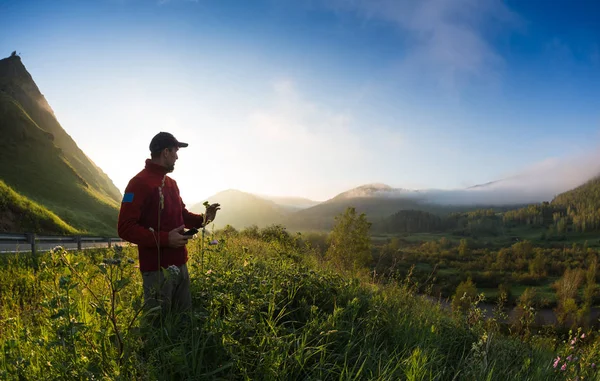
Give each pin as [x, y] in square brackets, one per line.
[164, 140]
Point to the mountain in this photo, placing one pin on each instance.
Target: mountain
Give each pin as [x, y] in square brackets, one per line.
[380, 201]
[376, 190]
[291, 204]
[583, 199]
[241, 209]
[375, 200]
[385, 205]
[43, 164]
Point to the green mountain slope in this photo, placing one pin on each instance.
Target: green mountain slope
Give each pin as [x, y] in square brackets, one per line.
[19, 214]
[41, 162]
[17, 83]
[578, 209]
[585, 197]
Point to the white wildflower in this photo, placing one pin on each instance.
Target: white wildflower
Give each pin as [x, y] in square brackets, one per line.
[173, 270]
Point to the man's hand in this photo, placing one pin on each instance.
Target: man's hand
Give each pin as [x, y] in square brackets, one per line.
[176, 239]
[211, 213]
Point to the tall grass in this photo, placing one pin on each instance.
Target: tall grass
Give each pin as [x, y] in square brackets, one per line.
[262, 310]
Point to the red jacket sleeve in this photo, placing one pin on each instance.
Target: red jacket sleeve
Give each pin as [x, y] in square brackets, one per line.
[129, 227]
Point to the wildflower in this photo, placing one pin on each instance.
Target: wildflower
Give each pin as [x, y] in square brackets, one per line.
[214, 242]
[564, 366]
[593, 365]
[173, 270]
[209, 272]
[570, 358]
[583, 335]
[556, 362]
[573, 341]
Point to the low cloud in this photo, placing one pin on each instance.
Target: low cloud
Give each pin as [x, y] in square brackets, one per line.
[537, 183]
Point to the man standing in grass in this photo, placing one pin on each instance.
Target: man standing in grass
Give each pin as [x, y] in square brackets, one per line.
[153, 217]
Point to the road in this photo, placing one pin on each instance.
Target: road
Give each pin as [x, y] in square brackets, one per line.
[42, 246]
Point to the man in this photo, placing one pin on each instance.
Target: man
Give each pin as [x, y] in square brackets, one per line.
[153, 216]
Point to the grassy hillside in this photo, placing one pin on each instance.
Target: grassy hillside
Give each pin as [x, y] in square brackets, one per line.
[17, 83]
[263, 310]
[19, 214]
[41, 162]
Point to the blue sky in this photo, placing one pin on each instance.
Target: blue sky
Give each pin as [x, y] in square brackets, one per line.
[311, 98]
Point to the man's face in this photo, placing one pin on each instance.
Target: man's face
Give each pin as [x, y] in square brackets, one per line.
[171, 158]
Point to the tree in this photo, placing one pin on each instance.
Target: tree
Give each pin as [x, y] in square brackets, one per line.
[566, 294]
[537, 266]
[465, 295]
[463, 248]
[350, 241]
[522, 249]
[525, 313]
[589, 291]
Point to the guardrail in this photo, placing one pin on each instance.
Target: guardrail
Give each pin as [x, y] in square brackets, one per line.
[33, 240]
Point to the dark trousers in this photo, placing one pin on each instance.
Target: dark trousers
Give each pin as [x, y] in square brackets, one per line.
[169, 291]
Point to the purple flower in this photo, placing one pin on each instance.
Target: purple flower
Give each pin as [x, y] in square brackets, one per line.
[570, 358]
[564, 366]
[593, 365]
[214, 242]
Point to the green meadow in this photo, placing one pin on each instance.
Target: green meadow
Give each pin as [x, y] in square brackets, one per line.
[267, 305]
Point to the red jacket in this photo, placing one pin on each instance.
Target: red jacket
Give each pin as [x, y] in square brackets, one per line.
[140, 213]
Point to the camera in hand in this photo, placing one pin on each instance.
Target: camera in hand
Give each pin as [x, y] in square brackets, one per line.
[191, 232]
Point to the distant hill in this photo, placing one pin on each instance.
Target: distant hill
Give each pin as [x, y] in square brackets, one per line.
[375, 200]
[376, 190]
[585, 197]
[43, 164]
[241, 209]
[292, 204]
[581, 206]
[381, 203]
[388, 208]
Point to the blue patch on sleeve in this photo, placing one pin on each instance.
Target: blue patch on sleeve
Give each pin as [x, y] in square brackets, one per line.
[128, 197]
